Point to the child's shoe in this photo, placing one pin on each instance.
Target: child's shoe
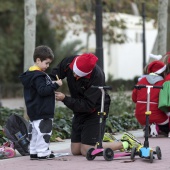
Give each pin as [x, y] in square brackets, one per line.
[133, 142]
[48, 157]
[33, 157]
[109, 138]
[153, 130]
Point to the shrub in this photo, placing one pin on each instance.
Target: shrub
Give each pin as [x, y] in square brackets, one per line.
[121, 116]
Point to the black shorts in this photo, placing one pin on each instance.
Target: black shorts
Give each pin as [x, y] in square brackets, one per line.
[164, 128]
[87, 131]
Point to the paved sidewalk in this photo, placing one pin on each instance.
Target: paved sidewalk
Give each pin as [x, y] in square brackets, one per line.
[16, 103]
[79, 162]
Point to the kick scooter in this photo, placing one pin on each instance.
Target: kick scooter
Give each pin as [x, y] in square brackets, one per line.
[107, 153]
[145, 151]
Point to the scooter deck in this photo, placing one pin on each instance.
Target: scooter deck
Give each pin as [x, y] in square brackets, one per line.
[99, 152]
[121, 154]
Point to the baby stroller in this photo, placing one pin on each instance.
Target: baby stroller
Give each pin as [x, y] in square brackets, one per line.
[145, 151]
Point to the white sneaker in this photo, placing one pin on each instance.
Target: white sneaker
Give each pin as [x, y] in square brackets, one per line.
[153, 130]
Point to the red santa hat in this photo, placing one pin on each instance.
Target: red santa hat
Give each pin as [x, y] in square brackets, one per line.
[84, 64]
[156, 67]
[168, 53]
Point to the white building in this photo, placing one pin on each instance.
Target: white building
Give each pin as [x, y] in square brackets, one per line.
[123, 61]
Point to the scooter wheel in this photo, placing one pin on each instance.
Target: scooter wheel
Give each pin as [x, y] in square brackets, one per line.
[89, 155]
[133, 152]
[151, 156]
[140, 153]
[158, 152]
[108, 154]
[9, 152]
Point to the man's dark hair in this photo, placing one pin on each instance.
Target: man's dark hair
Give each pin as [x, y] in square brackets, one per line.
[43, 52]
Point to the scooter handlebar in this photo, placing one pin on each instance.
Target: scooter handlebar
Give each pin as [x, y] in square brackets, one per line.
[146, 86]
[102, 87]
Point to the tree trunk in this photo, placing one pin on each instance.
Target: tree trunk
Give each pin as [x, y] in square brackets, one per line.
[162, 26]
[168, 28]
[30, 32]
[135, 9]
[29, 35]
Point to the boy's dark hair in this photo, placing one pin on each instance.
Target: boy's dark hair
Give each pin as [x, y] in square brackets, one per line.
[43, 52]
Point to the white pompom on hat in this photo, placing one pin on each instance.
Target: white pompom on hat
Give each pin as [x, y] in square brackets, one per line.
[156, 57]
[156, 67]
[84, 64]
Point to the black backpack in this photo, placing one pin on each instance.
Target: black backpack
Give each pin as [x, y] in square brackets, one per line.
[16, 130]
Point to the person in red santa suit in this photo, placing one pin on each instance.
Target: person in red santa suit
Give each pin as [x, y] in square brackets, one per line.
[158, 119]
[82, 72]
[164, 102]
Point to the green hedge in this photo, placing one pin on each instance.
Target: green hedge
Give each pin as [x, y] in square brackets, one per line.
[63, 119]
[121, 116]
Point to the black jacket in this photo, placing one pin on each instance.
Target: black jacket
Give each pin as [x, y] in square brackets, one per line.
[38, 94]
[84, 100]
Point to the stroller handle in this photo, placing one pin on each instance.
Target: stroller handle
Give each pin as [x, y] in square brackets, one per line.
[147, 86]
[102, 87]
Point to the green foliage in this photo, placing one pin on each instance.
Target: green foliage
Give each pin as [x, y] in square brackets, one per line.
[121, 102]
[121, 116]
[6, 112]
[53, 32]
[11, 39]
[3, 139]
[122, 122]
[62, 123]
[45, 35]
[123, 6]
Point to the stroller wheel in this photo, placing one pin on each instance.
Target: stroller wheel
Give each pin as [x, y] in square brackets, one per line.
[151, 156]
[133, 152]
[108, 154]
[89, 155]
[158, 152]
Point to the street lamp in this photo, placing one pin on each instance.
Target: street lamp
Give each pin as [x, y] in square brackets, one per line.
[144, 43]
[99, 33]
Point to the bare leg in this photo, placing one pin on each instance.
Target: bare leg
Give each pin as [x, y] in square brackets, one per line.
[85, 148]
[81, 149]
[76, 148]
[113, 145]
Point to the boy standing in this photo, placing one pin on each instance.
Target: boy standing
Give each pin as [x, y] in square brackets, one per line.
[40, 102]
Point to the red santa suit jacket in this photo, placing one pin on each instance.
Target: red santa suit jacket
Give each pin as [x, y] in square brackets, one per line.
[140, 98]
